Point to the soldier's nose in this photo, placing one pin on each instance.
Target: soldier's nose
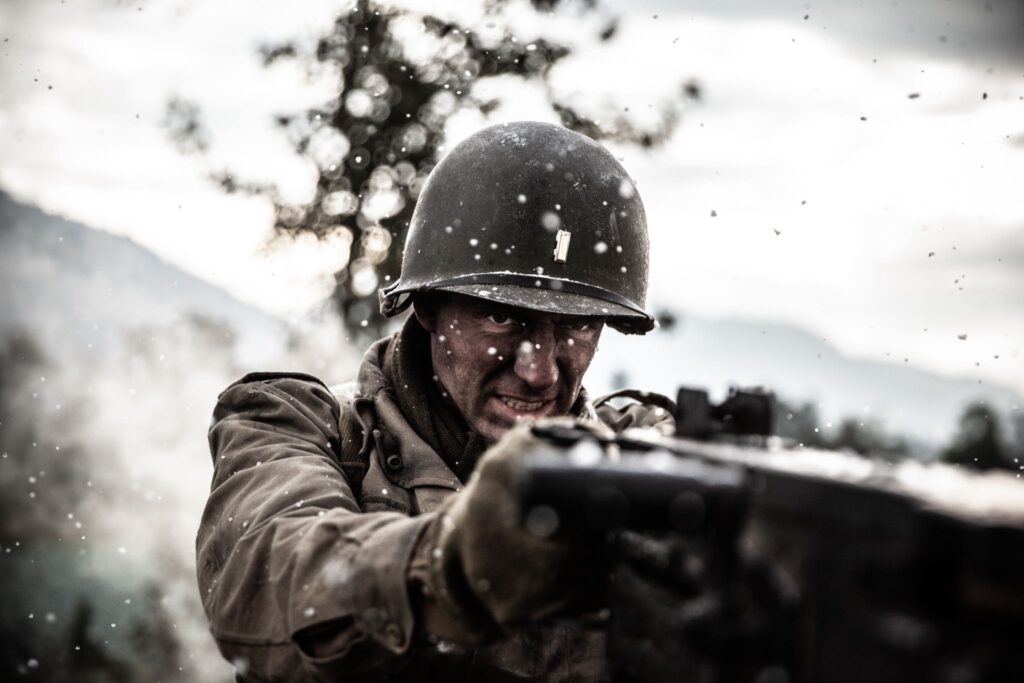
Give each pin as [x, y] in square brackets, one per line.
[536, 363]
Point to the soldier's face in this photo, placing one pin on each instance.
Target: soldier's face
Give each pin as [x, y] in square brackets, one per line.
[500, 363]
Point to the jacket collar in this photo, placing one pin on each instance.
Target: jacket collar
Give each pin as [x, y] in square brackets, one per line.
[379, 410]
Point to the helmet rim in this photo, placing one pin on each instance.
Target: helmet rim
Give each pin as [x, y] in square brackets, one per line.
[532, 292]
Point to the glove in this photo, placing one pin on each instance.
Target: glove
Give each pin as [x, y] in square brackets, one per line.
[489, 573]
[679, 613]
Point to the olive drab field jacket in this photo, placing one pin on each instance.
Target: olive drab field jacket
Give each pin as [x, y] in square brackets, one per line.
[317, 501]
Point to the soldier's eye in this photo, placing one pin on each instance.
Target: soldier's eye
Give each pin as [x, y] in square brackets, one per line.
[501, 320]
[580, 325]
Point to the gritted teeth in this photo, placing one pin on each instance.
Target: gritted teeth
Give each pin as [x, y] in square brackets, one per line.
[522, 405]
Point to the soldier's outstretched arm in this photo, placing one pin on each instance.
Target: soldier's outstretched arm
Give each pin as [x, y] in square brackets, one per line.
[298, 583]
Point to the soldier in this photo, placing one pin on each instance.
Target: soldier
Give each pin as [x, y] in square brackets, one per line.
[371, 531]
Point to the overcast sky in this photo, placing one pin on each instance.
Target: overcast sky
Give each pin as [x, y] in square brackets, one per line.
[890, 225]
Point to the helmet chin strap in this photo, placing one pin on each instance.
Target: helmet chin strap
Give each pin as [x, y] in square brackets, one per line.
[393, 303]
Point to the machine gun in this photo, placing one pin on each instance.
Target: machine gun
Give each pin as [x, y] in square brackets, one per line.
[740, 559]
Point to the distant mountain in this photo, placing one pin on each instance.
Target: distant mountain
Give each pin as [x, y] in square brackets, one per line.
[72, 286]
[717, 353]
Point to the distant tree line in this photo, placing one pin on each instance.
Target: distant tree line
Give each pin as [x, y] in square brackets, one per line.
[979, 442]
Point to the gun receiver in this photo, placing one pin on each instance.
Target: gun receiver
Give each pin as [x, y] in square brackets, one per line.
[740, 559]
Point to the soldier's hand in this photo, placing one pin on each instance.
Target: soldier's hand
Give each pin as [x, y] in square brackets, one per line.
[486, 568]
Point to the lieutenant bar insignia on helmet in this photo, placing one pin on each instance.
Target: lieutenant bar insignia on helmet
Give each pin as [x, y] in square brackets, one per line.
[562, 246]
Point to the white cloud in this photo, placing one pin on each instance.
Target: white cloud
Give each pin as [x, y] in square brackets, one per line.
[778, 123]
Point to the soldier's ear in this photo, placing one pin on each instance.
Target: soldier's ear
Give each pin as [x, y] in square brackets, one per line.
[425, 310]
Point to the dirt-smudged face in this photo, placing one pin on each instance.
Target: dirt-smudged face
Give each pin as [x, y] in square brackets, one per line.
[501, 363]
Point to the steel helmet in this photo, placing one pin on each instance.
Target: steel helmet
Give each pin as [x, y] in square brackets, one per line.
[531, 215]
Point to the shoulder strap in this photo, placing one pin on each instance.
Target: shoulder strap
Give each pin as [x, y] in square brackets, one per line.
[644, 397]
[355, 428]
